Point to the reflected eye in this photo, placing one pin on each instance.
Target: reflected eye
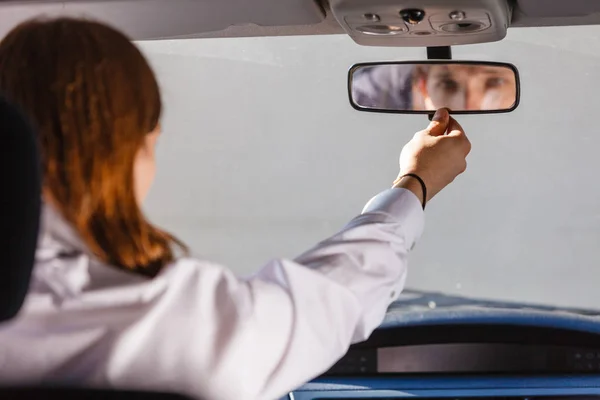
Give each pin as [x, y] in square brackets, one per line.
[492, 83]
[448, 85]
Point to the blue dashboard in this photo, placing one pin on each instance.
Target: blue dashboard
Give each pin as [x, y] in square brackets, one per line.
[449, 387]
[434, 346]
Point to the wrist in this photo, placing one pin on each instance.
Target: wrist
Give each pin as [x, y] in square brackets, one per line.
[411, 184]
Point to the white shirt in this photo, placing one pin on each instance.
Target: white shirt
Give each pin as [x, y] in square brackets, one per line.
[197, 329]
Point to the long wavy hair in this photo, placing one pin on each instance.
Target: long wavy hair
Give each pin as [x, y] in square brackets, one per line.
[93, 98]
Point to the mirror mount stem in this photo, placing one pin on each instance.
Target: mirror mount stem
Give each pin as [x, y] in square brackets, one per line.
[439, 53]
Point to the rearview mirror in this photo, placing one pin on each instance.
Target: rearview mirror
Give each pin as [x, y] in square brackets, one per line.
[464, 87]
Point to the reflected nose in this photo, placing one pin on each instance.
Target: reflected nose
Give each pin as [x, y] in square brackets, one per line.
[473, 100]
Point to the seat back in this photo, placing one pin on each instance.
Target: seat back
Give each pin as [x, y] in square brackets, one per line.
[20, 201]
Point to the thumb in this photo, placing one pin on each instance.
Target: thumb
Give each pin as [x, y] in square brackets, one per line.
[454, 128]
[439, 123]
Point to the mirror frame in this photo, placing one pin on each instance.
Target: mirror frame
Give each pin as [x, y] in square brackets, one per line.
[436, 62]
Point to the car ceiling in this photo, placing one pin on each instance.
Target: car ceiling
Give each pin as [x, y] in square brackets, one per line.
[162, 19]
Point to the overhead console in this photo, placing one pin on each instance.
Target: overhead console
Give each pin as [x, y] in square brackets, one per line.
[422, 23]
[472, 349]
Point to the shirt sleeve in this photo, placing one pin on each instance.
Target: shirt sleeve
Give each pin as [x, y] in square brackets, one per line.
[261, 337]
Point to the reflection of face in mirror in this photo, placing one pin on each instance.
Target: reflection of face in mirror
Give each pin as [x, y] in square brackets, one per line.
[463, 87]
[426, 87]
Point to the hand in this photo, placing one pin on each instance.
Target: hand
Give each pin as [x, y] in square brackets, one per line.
[436, 154]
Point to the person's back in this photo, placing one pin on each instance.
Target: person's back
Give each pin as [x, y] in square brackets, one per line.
[110, 302]
[87, 322]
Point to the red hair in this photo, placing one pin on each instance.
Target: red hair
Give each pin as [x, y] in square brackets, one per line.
[93, 99]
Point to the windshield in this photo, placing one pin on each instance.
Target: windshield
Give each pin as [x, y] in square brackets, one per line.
[262, 153]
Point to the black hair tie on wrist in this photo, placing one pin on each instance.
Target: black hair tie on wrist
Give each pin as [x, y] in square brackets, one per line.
[423, 186]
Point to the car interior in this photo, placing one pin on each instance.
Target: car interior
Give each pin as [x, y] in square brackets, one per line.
[483, 342]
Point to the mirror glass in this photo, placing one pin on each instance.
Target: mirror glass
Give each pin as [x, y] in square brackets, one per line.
[463, 87]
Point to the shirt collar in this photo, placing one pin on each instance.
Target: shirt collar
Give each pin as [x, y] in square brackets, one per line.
[57, 235]
[64, 265]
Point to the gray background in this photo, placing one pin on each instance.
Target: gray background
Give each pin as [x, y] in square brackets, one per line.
[262, 156]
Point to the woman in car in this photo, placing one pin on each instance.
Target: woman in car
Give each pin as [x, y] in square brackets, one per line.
[114, 303]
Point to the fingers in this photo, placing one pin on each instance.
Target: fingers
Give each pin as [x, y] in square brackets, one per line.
[454, 128]
[457, 131]
[439, 123]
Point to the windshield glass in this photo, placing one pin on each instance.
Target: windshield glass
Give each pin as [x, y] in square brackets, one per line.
[262, 153]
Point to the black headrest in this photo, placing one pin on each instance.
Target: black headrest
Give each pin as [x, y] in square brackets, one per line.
[20, 200]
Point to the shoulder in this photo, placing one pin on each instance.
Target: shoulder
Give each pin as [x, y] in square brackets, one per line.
[186, 268]
[196, 278]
